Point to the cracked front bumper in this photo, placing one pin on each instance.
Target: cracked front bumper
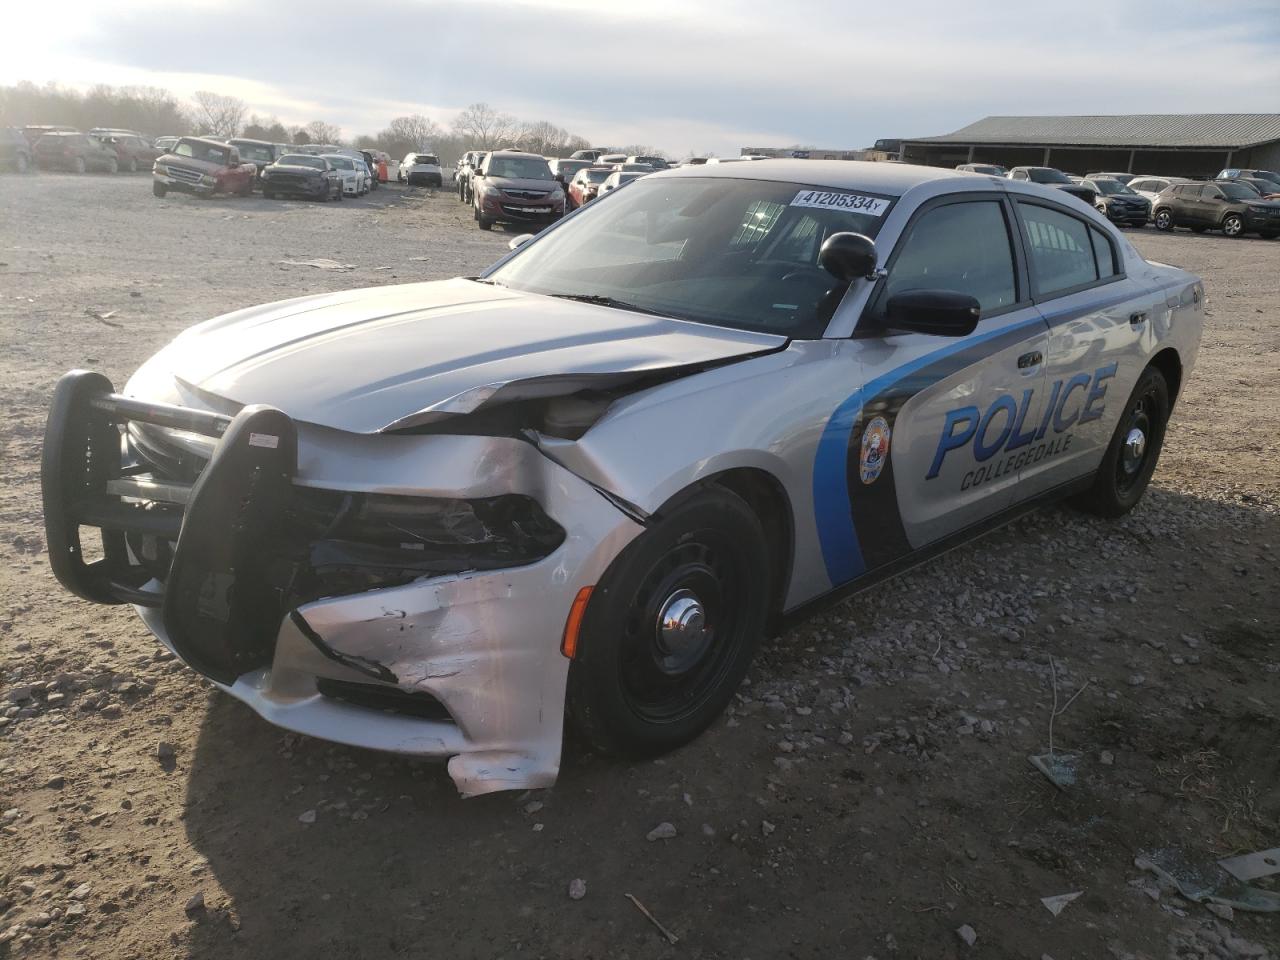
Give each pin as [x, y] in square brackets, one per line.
[464, 666]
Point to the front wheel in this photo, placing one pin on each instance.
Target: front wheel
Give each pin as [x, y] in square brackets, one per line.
[1233, 225]
[671, 628]
[1164, 220]
[1131, 456]
[159, 189]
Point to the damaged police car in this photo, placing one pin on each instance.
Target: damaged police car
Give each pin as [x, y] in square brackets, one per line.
[437, 518]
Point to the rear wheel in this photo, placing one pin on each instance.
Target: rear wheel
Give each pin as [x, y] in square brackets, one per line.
[1233, 225]
[671, 628]
[1164, 220]
[1131, 456]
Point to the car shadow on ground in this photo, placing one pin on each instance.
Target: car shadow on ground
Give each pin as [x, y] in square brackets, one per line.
[322, 848]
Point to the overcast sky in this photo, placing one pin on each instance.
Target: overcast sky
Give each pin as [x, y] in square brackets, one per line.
[683, 75]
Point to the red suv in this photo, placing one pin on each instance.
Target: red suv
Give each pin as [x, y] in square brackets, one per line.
[133, 151]
[76, 152]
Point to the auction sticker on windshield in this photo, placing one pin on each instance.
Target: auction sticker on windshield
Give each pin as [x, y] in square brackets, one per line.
[873, 206]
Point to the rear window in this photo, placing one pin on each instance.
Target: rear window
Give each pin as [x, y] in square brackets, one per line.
[426, 158]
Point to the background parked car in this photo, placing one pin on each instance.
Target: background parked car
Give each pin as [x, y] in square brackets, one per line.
[371, 162]
[133, 151]
[585, 186]
[1120, 177]
[990, 169]
[609, 159]
[1119, 204]
[1233, 208]
[421, 168]
[76, 152]
[564, 170]
[463, 175]
[353, 173]
[516, 187]
[1150, 187]
[15, 151]
[1052, 177]
[204, 167]
[261, 153]
[165, 144]
[593, 154]
[654, 163]
[1232, 172]
[617, 178]
[301, 175]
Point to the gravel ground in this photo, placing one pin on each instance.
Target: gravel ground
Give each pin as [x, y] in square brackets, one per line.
[869, 794]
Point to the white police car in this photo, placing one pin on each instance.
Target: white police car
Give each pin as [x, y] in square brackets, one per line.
[424, 518]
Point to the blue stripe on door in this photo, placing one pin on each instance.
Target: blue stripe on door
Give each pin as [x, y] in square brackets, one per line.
[837, 535]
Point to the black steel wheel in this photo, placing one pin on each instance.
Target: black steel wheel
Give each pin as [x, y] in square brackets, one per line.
[671, 628]
[1134, 450]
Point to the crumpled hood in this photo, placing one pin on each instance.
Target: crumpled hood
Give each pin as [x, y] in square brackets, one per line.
[366, 360]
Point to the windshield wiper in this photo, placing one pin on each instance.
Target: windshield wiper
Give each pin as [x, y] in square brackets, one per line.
[601, 300]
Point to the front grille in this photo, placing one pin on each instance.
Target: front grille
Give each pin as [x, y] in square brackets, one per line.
[292, 180]
[525, 194]
[185, 174]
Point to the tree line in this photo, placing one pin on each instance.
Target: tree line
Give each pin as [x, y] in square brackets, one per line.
[157, 112]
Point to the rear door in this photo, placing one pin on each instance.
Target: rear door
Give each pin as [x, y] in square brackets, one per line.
[1099, 323]
[941, 419]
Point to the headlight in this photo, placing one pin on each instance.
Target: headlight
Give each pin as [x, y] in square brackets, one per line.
[266, 174]
[207, 179]
[159, 168]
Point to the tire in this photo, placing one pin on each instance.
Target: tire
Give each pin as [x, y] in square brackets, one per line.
[133, 164]
[484, 223]
[159, 189]
[21, 164]
[1163, 220]
[113, 166]
[1124, 474]
[638, 690]
[1233, 225]
[78, 166]
[462, 198]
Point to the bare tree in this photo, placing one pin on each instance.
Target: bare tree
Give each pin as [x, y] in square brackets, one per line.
[321, 132]
[217, 114]
[484, 127]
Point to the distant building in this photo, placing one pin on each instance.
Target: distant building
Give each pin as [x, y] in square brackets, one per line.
[1177, 144]
[814, 153]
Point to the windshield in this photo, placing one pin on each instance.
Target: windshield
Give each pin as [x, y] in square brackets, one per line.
[1239, 191]
[729, 252]
[596, 176]
[1047, 175]
[1111, 188]
[1270, 175]
[519, 168]
[341, 163]
[301, 160]
[201, 151]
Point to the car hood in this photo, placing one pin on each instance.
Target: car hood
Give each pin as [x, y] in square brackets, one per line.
[403, 356]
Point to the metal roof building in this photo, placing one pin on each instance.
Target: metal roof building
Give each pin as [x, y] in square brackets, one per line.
[1187, 144]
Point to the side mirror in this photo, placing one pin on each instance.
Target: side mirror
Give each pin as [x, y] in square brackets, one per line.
[848, 256]
[517, 242]
[939, 313]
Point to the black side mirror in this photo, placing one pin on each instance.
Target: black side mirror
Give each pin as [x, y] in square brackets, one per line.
[939, 313]
[848, 256]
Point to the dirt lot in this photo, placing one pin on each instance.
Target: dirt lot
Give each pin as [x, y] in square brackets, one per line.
[868, 795]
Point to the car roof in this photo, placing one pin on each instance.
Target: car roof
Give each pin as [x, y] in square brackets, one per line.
[256, 143]
[515, 153]
[889, 178]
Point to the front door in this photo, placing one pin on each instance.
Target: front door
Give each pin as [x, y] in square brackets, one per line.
[941, 420]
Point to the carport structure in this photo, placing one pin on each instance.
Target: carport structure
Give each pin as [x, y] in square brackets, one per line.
[1176, 144]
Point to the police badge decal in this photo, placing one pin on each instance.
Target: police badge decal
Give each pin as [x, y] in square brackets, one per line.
[875, 449]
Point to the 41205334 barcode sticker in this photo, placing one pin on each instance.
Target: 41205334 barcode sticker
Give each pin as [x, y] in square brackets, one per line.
[853, 202]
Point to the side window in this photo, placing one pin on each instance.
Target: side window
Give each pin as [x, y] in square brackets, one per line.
[1061, 254]
[1104, 254]
[964, 247]
[1211, 193]
[1019, 174]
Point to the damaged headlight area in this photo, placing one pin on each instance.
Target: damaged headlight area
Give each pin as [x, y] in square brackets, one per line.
[357, 542]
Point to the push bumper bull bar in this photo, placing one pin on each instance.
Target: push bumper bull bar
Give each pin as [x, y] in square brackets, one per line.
[215, 593]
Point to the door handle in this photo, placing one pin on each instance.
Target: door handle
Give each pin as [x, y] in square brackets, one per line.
[1029, 360]
[1137, 318]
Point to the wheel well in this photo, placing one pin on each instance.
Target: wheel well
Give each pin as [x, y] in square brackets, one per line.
[1167, 362]
[765, 495]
